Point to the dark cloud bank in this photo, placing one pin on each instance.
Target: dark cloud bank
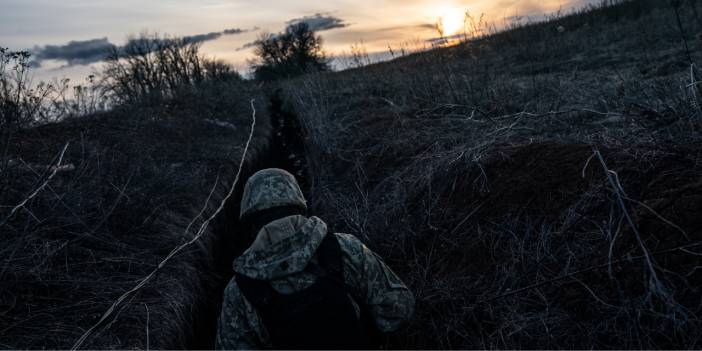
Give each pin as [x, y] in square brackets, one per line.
[76, 52]
[96, 50]
[318, 22]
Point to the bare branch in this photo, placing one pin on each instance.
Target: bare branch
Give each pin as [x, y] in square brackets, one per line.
[54, 170]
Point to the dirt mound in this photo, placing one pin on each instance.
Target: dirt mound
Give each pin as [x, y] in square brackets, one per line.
[544, 178]
[532, 249]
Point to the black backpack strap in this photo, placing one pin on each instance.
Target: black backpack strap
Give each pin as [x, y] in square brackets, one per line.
[259, 292]
[330, 255]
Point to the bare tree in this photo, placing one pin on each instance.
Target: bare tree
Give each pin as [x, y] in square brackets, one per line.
[293, 52]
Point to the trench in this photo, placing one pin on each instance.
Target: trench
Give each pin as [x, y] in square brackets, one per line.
[285, 150]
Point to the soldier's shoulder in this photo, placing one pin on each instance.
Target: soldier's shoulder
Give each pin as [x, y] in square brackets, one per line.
[349, 242]
[232, 290]
[234, 304]
[352, 247]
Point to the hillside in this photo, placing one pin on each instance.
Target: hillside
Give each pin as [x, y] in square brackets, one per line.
[539, 188]
[536, 188]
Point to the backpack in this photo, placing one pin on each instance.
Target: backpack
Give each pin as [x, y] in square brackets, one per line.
[322, 316]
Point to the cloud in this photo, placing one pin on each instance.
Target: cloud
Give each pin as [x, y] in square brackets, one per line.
[384, 34]
[320, 22]
[96, 50]
[248, 45]
[233, 31]
[201, 38]
[444, 40]
[317, 23]
[76, 52]
[409, 27]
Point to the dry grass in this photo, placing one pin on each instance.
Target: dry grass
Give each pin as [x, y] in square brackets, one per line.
[137, 178]
[538, 188]
[472, 170]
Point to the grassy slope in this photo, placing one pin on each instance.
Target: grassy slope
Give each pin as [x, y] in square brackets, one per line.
[471, 169]
[138, 177]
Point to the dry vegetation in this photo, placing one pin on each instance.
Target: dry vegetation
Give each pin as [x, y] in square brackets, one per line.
[152, 67]
[91, 205]
[538, 188]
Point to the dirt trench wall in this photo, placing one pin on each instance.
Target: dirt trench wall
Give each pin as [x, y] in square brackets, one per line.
[135, 179]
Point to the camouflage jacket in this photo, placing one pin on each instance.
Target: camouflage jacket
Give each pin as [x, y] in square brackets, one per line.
[280, 254]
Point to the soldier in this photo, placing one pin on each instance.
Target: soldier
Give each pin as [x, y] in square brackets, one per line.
[299, 286]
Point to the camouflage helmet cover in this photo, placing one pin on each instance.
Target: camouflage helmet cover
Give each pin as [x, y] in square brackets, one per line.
[271, 188]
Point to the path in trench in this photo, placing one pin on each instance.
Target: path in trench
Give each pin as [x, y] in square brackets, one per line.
[286, 151]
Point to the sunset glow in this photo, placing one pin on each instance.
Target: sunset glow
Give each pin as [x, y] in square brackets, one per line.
[230, 26]
[453, 22]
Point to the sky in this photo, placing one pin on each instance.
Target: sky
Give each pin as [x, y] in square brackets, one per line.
[69, 37]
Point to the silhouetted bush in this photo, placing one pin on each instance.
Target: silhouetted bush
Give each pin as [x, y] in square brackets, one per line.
[24, 104]
[153, 67]
[291, 53]
[21, 102]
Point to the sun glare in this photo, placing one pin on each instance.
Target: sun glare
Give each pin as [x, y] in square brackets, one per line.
[452, 22]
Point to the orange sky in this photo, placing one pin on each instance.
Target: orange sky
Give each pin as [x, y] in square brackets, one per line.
[378, 23]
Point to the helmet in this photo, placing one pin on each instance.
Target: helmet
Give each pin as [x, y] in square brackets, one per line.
[271, 188]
